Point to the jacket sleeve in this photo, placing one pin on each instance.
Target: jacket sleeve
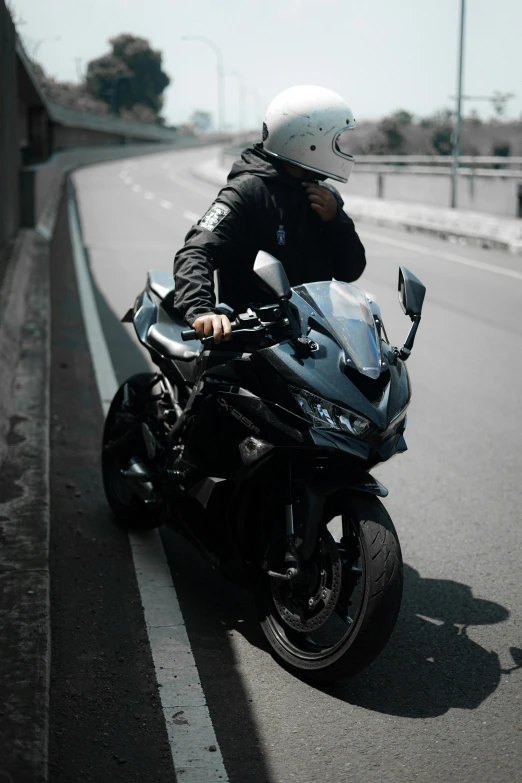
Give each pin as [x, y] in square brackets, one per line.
[217, 240]
[347, 250]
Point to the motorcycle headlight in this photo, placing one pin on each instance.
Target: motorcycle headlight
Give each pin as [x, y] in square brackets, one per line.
[326, 415]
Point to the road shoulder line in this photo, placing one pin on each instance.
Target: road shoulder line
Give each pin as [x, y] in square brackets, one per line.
[195, 752]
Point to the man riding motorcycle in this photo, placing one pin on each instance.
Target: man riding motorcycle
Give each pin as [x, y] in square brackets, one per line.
[260, 455]
[274, 200]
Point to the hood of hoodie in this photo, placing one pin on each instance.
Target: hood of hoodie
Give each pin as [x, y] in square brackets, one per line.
[254, 160]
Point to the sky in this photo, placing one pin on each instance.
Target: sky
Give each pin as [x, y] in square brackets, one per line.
[380, 55]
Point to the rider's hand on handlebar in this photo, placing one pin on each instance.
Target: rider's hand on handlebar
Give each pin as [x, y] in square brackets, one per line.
[213, 324]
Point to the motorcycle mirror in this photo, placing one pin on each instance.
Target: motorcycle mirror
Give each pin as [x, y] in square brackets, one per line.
[411, 293]
[271, 275]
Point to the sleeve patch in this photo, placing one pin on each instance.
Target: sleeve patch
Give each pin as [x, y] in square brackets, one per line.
[214, 216]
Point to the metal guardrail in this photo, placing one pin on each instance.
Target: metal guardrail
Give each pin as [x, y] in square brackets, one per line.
[475, 161]
[482, 187]
[468, 160]
[470, 165]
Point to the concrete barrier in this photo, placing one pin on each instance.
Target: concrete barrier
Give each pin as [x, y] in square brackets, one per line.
[9, 146]
[493, 192]
[40, 183]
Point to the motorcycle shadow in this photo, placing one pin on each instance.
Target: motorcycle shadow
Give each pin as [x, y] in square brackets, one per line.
[430, 664]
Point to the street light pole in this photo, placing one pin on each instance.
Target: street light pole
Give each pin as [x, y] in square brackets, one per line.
[241, 98]
[220, 75]
[456, 140]
[259, 107]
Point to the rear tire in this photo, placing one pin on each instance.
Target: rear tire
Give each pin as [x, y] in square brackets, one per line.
[129, 511]
[379, 588]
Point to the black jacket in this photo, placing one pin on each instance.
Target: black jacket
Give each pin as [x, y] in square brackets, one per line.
[261, 208]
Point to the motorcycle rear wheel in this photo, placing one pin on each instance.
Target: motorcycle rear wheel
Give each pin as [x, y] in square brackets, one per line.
[367, 604]
[129, 511]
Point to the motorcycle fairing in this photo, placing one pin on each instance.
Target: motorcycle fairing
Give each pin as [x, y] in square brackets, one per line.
[345, 310]
[161, 334]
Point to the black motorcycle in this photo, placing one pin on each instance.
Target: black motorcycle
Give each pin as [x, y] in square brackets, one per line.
[257, 450]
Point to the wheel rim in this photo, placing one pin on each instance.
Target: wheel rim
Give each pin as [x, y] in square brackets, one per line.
[335, 626]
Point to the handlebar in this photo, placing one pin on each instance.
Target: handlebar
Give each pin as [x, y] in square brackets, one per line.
[188, 334]
[247, 322]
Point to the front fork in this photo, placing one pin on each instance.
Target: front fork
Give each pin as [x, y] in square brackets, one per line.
[306, 512]
[293, 567]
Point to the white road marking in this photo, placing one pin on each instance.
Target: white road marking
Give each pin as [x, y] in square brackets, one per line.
[136, 188]
[456, 259]
[128, 180]
[187, 718]
[165, 204]
[148, 195]
[191, 216]
[103, 369]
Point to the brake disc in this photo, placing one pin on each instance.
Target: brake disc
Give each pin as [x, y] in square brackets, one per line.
[308, 613]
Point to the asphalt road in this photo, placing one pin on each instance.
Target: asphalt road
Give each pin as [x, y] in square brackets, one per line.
[443, 700]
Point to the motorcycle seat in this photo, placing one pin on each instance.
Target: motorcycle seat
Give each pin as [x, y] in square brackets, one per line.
[166, 339]
[165, 335]
[162, 284]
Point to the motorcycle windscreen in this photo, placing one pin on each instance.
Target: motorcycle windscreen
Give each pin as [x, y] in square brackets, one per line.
[346, 310]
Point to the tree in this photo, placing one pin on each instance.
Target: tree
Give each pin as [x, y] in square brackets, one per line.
[501, 149]
[201, 120]
[442, 137]
[391, 130]
[442, 140]
[403, 117]
[128, 75]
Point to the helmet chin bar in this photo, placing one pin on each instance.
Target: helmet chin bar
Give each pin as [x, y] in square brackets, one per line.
[326, 174]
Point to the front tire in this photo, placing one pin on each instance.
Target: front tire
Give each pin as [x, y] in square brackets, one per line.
[367, 604]
[129, 511]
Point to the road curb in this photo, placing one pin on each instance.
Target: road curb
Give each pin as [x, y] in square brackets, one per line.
[454, 225]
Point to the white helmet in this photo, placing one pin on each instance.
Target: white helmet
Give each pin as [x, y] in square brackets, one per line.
[303, 125]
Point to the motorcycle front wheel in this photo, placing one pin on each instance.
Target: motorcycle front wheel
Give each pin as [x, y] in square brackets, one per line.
[335, 624]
